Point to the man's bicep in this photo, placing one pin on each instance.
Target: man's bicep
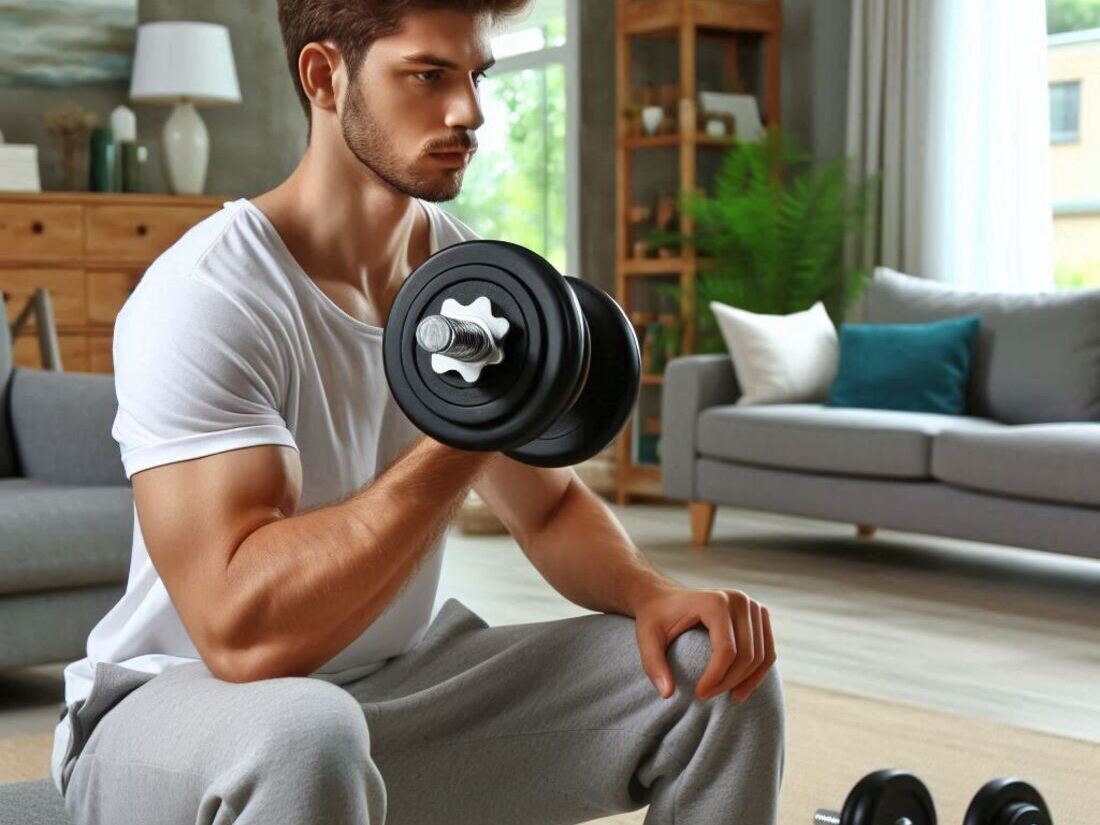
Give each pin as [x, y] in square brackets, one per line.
[194, 515]
[523, 497]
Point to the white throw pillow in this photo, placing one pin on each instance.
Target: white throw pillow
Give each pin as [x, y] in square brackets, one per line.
[780, 359]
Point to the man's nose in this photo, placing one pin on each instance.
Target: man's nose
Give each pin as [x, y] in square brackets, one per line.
[465, 109]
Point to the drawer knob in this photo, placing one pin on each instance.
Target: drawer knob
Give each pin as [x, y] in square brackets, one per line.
[38, 227]
[142, 229]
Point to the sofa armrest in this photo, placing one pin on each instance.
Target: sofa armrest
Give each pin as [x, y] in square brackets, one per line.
[61, 425]
[692, 383]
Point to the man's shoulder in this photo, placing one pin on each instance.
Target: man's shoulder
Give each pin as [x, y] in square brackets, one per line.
[221, 260]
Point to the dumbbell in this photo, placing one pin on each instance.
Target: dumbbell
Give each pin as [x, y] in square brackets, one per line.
[1007, 801]
[488, 347]
[886, 797]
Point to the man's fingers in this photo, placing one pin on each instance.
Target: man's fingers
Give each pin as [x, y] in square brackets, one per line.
[745, 690]
[652, 644]
[740, 614]
[724, 648]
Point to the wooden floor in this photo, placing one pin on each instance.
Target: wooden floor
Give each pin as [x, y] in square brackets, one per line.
[989, 632]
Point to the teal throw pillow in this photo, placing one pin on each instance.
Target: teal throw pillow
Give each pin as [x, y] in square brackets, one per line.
[915, 367]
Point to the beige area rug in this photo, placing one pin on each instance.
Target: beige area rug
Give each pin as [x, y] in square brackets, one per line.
[833, 739]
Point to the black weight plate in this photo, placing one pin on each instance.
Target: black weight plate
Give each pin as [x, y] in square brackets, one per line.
[1007, 801]
[885, 797]
[543, 351]
[607, 396]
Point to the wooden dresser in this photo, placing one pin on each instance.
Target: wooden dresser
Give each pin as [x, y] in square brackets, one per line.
[89, 250]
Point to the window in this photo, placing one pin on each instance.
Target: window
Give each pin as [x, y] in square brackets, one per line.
[1073, 77]
[1065, 101]
[518, 187]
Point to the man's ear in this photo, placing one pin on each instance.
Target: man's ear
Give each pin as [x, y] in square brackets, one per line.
[321, 70]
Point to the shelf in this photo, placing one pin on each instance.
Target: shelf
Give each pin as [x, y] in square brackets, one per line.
[664, 141]
[640, 480]
[664, 18]
[634, 267]
[734, 33]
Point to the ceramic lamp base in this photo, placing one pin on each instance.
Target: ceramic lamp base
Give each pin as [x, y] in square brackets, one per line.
[186, 149]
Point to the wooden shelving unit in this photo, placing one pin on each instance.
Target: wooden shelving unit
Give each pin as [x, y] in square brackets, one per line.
[731, 24]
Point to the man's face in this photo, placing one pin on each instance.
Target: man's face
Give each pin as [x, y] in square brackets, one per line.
[416, 95]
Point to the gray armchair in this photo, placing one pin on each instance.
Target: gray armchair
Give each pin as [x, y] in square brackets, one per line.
[66, 511]
[66, 522]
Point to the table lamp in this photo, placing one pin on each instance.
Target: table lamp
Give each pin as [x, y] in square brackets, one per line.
[188, 64]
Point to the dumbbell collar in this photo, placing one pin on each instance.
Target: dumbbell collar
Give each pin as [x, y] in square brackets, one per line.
[480, 313]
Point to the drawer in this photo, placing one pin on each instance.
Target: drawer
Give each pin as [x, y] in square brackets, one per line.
[139, 233]
[74, 352]
[108, 290]
[99, 353]
[66, 288]
[41, 232]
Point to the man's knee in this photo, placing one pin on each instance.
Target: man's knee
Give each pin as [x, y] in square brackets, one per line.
[314, 721]
[689, 656]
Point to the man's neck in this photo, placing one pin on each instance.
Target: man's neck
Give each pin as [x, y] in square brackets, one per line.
[357, 242]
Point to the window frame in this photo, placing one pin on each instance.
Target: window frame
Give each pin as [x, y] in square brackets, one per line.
[568, 56]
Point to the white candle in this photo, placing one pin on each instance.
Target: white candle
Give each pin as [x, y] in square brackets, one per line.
[124, 123]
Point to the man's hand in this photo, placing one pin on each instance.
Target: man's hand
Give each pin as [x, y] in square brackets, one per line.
[742, 647]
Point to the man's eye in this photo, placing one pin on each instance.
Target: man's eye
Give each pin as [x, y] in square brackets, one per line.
[478, 78]
[434, 75]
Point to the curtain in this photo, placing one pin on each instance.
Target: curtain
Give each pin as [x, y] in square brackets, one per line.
[948, 100]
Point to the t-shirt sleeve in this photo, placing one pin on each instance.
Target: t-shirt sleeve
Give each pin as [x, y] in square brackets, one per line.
[195, 374]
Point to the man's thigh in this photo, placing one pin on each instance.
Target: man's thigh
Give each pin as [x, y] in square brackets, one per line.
[536, 723]
[188, 747]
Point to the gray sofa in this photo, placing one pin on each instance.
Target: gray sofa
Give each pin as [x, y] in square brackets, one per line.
[1023, 469]
[66, 522]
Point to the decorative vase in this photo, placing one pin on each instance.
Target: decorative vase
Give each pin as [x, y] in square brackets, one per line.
[651, 119]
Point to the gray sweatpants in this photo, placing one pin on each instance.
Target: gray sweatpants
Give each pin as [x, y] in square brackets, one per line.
[528, 724]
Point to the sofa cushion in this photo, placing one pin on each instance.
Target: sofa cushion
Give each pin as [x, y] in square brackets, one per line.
[1046, 462]
[914, 367]
[779, 359]
[62, 424]
[54, 536]
[817, 438]
[1038, 354]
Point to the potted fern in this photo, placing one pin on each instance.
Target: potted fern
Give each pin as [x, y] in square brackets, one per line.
[775, 230]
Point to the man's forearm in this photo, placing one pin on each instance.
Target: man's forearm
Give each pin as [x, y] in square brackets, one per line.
[304, 587]
[587, 556]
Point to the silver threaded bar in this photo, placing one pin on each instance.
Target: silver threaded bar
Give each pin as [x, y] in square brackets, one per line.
[833, 818]
[453, 337]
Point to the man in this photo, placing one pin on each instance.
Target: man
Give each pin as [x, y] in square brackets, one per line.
[289, 522]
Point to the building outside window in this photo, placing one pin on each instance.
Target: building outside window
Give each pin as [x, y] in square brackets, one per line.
[1073, 66]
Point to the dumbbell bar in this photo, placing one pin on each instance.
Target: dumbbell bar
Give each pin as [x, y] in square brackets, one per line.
[893, 797]
[542, 367]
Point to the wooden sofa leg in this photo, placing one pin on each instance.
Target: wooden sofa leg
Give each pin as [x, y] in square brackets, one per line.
[702, 520]
[865, 531]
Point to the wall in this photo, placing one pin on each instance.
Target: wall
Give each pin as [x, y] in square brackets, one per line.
[256, 144]
[253, 145]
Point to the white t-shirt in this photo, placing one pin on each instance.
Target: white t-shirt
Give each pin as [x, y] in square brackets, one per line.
[227, 343]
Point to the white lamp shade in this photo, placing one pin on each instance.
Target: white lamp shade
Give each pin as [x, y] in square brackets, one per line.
[184, 60]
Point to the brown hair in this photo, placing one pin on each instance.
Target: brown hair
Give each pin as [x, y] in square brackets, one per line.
[353, 25]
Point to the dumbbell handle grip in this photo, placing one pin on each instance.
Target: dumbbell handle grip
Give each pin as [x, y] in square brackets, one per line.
[454, 337]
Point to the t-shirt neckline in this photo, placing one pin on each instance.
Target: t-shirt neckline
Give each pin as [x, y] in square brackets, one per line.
[319, 293]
